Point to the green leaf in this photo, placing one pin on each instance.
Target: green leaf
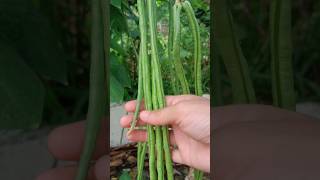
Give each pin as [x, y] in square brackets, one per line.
[116, 90]
[125, 176]
[115, 46]
[281, 54]
[42, 50]
[232, 55]
[116, 3]
[33, 37]
[21, 92]
[119, 71]
[118, 22]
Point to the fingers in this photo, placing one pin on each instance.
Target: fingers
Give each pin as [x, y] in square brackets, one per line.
[173, 100]
[66, 142]
[137, 136]
[176, 156]
[97, 172]
[63, 173]
[100, 168]
[162, 117]
[141, 136]
[166, 116]
[130, 106]
[125, 121]
[172, 138]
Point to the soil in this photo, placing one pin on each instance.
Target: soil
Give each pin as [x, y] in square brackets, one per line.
[123, 158]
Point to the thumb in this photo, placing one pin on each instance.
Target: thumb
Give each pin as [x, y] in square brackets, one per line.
[165, 116]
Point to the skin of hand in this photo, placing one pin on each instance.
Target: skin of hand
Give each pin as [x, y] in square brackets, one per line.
[189, 118]
[263, 142]
[66, 142]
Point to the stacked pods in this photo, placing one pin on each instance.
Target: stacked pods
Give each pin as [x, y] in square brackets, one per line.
[151, 90]
[151, 86]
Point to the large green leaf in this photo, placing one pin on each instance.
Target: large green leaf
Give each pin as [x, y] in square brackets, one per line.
[119, 71]
[116, 3]
[118, 22]
[34, 38]
[115, 46]
[21, 92]
[116, 90]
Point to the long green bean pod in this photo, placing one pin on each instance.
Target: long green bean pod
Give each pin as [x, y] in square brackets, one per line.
[152, 158]
[170, 46]
[197, 58]
[197, 46]
[139, 148]
[140, 96]
[143, 150]
[146, 84]
[159, 142]
[281, 54]
[140, 154]
[176, 49]
[151, 4]
[97, 93]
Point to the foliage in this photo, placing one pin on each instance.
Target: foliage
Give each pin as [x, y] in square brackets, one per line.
[252, 28]
[29, 56]
[44, 55]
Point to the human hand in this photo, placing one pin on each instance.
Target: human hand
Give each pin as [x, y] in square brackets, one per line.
[189, 117]
[264, 142]
[66, 142]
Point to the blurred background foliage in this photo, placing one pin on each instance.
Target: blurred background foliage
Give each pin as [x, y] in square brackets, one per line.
[251, 20]
[44, 55]
[125, 44]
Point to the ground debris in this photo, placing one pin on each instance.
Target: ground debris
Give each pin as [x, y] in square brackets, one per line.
[123, 158]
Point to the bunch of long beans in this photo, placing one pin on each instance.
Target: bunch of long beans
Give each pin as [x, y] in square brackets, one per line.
[150, 85]
[151, 90]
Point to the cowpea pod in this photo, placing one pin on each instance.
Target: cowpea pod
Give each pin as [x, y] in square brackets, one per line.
[97, 92]
[197, 58]
[143, 150]
[281, 54]
[151, 4]
[197, 45]
[139, 96]
[170, 46]
[176, 49]
[140, 152]
[159, 143]
[146, 87]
